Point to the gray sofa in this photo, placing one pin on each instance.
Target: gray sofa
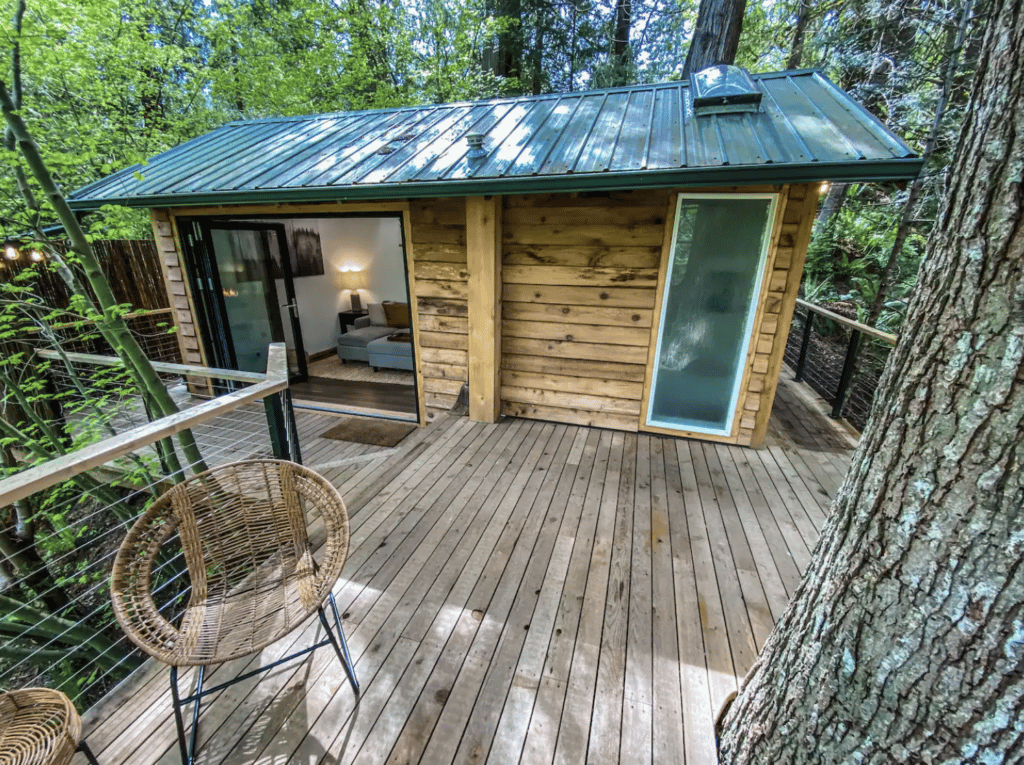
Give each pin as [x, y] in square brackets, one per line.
[367, 341]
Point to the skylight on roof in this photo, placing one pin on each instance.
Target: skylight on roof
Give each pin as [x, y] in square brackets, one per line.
[722, 89]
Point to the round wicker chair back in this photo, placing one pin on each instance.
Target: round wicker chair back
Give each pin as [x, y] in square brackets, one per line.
[245, 532]
[38, 725]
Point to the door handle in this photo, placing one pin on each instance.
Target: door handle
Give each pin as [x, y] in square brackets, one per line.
[291, 307]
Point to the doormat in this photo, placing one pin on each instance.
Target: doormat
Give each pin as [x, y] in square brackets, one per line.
[365, 430]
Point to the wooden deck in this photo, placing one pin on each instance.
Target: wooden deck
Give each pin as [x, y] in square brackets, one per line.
[524, 592]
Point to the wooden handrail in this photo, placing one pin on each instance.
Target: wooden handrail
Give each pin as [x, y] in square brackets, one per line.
[160, 366]
[839, 318]
[67, 466]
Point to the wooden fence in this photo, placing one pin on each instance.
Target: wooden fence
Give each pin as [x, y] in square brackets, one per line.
[133, 269]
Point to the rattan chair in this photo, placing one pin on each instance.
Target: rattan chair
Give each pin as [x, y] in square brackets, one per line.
[39, 726]
[244, 532]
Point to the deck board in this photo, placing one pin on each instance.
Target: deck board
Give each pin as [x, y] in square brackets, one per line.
[523, 592]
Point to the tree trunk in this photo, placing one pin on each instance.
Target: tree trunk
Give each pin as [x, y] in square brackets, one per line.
[952, 63]
[796, 50]
[835, 198]
[716, 37]
[905, 640]
[623, 21]
[508, 61]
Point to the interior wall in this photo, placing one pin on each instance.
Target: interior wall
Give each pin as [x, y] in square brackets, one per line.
[373, 243]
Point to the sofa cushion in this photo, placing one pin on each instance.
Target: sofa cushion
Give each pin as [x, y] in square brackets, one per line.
[377, 315]
[360, 337]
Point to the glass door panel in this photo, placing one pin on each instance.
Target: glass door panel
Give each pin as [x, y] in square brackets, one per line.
[711, 287]
[255, 311]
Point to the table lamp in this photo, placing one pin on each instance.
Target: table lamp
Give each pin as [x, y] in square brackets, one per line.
[351, 279]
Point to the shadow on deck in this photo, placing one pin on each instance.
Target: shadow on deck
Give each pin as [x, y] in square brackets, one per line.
[524, 592]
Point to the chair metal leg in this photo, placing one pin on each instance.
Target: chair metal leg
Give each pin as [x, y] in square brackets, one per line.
[188, 751]
[339, 643]
[84, 749]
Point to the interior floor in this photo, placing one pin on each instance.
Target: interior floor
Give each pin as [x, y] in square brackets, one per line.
[357, 396]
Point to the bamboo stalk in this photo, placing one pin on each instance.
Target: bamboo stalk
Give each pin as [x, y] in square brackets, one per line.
[113, 327]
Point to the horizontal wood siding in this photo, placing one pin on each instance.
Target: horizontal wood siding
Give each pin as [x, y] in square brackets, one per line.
[441, 284]
[179, 294]
[786, 264]
[579, 281]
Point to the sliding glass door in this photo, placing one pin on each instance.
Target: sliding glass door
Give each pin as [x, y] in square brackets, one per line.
[708, 305]
[236, 269]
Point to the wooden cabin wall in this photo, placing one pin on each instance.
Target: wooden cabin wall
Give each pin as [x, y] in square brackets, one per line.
[580, 282]
[579, 278]
[440, 283]
[178, 292]
[785, 269]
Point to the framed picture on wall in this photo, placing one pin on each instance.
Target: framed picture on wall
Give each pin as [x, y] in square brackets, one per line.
[307, 255]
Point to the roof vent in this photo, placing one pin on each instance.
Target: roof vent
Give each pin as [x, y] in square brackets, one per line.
[722, 88]
[476, 145]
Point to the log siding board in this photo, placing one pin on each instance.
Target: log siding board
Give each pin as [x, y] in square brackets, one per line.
[440, 270]
[179, 293]
[580, 275]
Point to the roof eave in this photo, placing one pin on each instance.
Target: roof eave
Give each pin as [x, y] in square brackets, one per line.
[896, 169]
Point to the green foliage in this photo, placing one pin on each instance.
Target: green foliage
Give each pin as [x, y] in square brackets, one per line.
[846, 258]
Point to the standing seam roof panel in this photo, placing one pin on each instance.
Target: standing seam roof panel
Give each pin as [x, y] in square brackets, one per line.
[531, 158]
[364, 158]
[567, 148]
[600, 144]
[457, 150]
[214, 161]
[665, 123]
[632, 136]
[468, 166]
[505, 154]
[401, 146]
[631, 143]
[410, 160]
[327, 153]
[327, 131]
[278, 151]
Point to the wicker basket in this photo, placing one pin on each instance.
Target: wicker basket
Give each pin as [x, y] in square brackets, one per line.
[38, 725]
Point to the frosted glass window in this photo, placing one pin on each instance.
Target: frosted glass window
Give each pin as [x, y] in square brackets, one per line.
[711, 288]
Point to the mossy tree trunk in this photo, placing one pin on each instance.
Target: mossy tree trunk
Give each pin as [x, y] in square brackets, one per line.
[905, 640]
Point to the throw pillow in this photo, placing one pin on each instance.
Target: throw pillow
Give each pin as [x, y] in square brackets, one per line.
[377, 316]
[398, 314]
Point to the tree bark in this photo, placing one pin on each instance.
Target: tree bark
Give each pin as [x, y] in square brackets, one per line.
[905, 640]
[716, 37]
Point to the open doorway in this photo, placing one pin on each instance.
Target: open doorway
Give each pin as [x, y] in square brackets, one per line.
[334, 289]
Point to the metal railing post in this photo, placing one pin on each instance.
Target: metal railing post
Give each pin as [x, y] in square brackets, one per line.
[847, 375]
[284, 436]
[804, 343]
[292, 428]
[279, 440]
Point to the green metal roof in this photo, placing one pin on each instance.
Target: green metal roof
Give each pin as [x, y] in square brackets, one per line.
[644, 136]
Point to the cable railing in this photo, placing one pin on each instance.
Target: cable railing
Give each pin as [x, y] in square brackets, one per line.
[62, 520]
[842, 359]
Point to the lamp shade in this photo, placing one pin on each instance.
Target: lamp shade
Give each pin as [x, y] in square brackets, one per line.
[350, 278]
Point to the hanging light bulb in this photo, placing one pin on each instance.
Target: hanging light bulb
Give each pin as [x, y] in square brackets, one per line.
[11, 253]
[36, 256]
